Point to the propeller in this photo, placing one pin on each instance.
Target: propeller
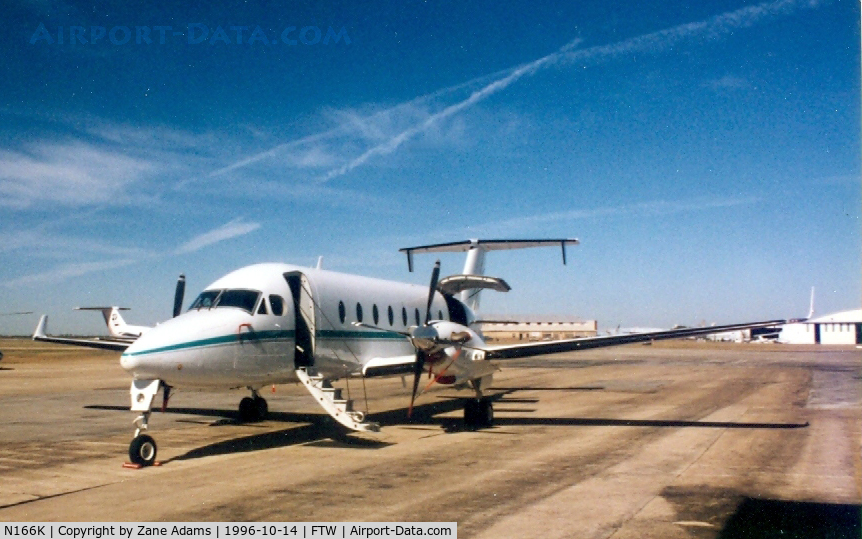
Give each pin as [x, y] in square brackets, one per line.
[427, 340]
[178, 295]
[420, 336]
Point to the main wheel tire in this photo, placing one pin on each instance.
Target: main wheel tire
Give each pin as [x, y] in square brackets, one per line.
[471, 413]
[142, 450]
[247, 410]
[262, 407]
[486, 412]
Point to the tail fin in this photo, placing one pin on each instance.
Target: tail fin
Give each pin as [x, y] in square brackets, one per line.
[811, 306]
[475, 263]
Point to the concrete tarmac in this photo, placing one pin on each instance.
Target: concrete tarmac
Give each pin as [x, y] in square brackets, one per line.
[670, 440]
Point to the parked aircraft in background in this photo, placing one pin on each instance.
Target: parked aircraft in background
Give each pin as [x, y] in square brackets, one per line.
[278, 323]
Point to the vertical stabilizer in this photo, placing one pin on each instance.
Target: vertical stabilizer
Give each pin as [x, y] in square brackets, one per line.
[475, 262]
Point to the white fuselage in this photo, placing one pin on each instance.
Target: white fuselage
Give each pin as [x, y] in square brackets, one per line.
[286, 317]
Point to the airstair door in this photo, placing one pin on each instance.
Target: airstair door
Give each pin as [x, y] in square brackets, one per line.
[303, 307]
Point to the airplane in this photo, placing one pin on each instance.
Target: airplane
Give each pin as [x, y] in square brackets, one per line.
[276, 323]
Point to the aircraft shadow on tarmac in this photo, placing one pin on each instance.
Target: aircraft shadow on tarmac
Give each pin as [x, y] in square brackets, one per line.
[320, 430]
[777, 518]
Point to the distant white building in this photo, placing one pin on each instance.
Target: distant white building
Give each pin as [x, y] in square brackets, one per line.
[843, 327]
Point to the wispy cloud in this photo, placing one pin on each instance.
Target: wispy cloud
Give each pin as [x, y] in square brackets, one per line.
[727, 82]
[227, 231]
[38, 242]
[69, 173]
[654, 208]
[59, 246]
[66, 271]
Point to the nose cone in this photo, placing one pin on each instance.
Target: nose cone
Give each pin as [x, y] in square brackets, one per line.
[188, 348]
[144, 359]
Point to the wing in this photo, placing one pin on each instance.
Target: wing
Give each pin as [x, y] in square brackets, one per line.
[552, 347]
[39, 335]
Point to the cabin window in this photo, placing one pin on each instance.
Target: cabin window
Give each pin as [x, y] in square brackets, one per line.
[416, 315]
[262, 308]
[276, 303]
[241, 299]
[358, 312]
[375, 314]
[342, 312]
[404, 315]
[391, 316]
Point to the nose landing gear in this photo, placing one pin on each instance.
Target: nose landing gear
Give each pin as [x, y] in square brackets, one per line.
[142, 449]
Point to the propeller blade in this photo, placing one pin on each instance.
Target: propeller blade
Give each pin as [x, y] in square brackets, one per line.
[166, 396]
[178, 295]
[435, 275]
[418, 366]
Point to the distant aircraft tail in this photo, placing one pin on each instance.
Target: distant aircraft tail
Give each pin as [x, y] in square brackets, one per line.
[475, 262]
[811, 305]
[117, 327]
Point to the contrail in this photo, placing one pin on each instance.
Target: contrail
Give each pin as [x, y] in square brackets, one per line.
[499, 84]
[653, 42]
[272, 152]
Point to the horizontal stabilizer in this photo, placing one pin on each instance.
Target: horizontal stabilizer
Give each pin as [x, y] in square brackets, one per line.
[485, 245]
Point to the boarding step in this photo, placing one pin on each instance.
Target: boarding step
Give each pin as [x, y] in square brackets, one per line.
[331, 400]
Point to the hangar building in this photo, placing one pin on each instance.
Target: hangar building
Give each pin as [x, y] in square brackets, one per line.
[843, 327]
[535, 328]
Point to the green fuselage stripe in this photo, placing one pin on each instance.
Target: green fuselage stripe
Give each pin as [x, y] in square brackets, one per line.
[273, 335]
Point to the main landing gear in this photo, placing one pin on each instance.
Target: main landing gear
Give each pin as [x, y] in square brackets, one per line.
[253, 408]
[479, 412]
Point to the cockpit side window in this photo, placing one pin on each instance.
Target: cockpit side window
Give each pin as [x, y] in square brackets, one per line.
[206, 300]
[242, 299]
[262, 308]
[277, 304]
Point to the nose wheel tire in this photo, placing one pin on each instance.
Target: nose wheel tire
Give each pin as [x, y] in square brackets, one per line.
[142, 450]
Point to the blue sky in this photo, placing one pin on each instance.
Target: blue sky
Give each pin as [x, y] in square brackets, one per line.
[706, 154]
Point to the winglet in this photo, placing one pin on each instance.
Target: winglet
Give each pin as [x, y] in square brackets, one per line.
[41, 328]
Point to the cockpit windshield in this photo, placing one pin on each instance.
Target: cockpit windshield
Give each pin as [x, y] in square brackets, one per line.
[242, 299]
[206, 300]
